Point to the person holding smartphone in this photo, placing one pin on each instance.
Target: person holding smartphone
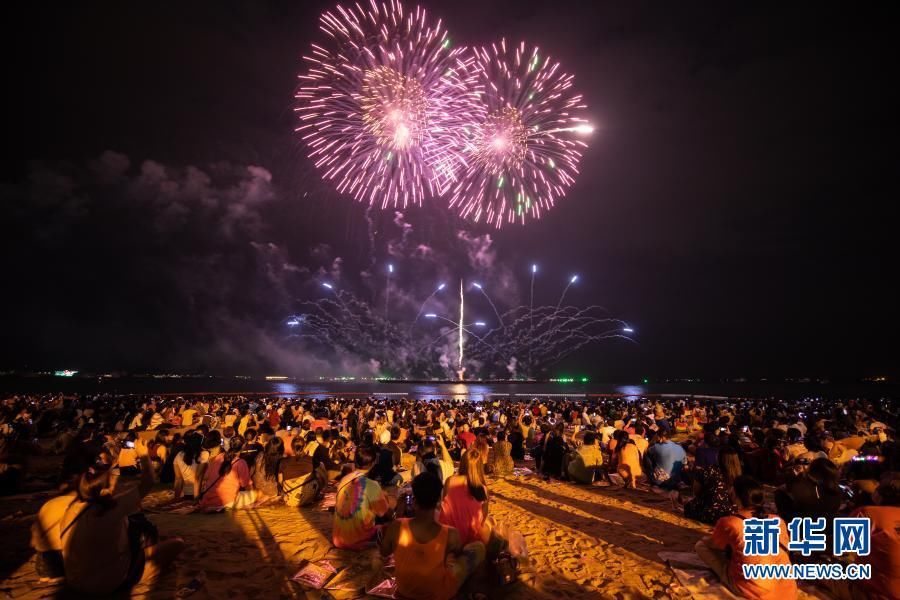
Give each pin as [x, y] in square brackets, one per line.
[128, 459]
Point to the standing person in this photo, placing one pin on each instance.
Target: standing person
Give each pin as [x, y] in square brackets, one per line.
[432, 563]
[465, 503]
[103, 549]
[724, 550]
[359, 501]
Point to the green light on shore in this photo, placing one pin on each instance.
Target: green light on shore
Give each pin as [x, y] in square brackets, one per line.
[584, 380]
[646, 380]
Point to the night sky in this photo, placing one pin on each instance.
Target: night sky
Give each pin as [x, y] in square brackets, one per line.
[731, 206]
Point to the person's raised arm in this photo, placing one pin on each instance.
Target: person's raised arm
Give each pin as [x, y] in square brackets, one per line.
[201, 475]
[575, 434]
[445, 455]
[179, 483]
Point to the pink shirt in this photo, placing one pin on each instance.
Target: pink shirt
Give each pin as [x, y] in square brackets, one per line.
[462, 511]
[221, 491]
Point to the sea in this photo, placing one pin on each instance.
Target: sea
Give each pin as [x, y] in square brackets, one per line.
[474, 390]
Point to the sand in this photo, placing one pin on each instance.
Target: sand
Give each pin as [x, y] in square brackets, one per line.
[583, 542]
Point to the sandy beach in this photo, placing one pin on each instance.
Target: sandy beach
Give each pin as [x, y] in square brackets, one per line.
[583, 542]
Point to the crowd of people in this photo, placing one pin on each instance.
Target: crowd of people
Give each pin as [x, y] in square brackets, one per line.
[412, 477]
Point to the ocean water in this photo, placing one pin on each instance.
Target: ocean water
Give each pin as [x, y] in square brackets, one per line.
[475, 391]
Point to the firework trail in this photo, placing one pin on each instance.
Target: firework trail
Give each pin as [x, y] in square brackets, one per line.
[562, 296]
[521, 150]
[535, 337]
[382, 102]
[491, 302]
[440, 287]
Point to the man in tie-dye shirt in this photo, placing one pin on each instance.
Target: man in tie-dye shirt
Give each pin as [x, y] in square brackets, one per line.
[359, 501]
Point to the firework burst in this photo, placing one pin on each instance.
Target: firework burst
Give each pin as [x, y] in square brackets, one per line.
[521, 151]
[382, 102]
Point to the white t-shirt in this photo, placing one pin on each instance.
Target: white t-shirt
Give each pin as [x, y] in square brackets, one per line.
[446, 468]
[189, 472]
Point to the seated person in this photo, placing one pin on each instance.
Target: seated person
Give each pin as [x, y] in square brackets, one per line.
[666, 460]
[433, 450]
[300, 482]
[228, 475]
[724, 550]
[383, 471]
[627, 459]
[431, 563]
[500, 457]
[885, 543]
[465, 503]
[45, 536]
[813, 493]
[359, 501]
[588, 461]
[713, 488]
[102, 549]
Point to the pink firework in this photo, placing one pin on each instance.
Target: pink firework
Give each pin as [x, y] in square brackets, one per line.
[521, 151]
[382, 103]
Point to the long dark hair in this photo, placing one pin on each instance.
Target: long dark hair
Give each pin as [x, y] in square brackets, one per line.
[824, 474]
[273, 455]
[231, 455]
[729, 464]
[91, 487]
[472, 468]
[193, 446]
[750, 494]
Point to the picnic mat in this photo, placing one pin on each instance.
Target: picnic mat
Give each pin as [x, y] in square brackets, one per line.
[182, 507]
[695, 577]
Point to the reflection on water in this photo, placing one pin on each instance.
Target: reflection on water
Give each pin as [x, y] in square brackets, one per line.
[286, 388]
[631, 392]
[424, 390]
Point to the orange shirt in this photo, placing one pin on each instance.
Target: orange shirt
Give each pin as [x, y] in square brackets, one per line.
[885, 554]
[630, 458]
[420, 567]
[729, 533]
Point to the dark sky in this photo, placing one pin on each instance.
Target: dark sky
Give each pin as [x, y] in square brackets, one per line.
[732, 203]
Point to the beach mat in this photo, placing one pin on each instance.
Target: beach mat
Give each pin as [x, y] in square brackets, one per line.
[695, 577]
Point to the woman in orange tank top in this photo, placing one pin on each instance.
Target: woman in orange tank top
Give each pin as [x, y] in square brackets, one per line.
[431, 563]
